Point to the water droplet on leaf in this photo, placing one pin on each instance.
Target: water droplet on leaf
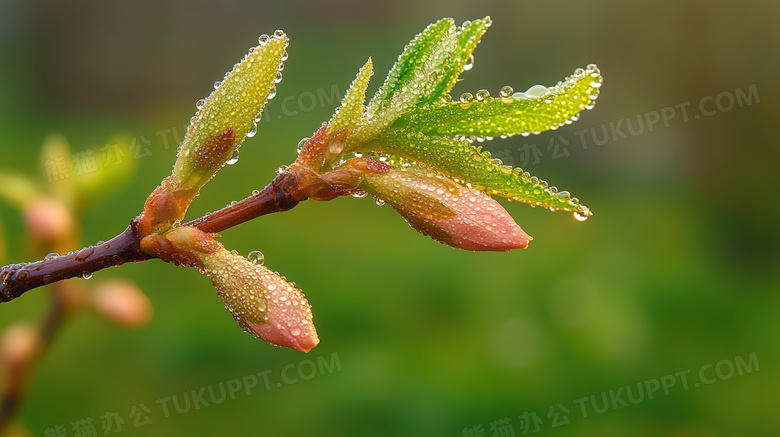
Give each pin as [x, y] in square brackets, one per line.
[469, 64]
[233, 159]
[252, 131]
[466, 97]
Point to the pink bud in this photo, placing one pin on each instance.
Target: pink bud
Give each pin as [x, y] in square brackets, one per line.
[48, 219]
[446, 211]
[262, 302]
[122, 302]
[20, 344]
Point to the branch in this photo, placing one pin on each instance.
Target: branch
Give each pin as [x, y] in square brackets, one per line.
[281, 194]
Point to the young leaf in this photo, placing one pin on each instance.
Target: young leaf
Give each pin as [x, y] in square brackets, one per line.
[537, 110]
[228, 114]
[351, 109]
[419, 67]
[459, 159]
[468, 37]
[224, 119]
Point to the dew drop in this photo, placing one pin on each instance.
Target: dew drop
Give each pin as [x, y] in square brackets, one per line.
[263, 39]
[272, 94]
[278, 77]
[84, 254]
[251, 132]
[255, 192]
[200, 103]
[537, 91]
[469, 64]
[359, 194]
[256, 257]
[295, 331]
[285, 56]
[564, 196]
[482, 95]
[51, 256]
[233, 159]
[86, 275]
[506, 91]
[302, 143]
[217, 84]
[466, 97]
[579, 217]
[279, 33]
[379, 202]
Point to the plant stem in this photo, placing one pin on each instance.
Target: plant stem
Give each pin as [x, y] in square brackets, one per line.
[281, 194]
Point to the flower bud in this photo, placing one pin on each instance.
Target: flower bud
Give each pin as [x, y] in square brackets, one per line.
[446, 211]
[48, 220]
[262, 302]
[21, 343]
[123, 303]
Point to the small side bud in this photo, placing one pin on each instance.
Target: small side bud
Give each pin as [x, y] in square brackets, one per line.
[228, 115]
[48, 220]
[262, 302]
[446, 211]
[122, 302]
[21, 343]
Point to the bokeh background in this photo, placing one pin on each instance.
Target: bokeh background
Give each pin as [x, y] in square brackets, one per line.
[676, 272]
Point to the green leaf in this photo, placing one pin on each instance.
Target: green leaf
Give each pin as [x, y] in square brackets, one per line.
[418, 69]
[468, 36]
[227, 116]
[17, 190]
[351, 109]
[460, 160]
[536, 110]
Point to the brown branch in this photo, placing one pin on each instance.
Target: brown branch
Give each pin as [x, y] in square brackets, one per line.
[282, 194]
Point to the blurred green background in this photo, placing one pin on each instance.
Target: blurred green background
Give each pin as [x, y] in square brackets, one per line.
[675, 273]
